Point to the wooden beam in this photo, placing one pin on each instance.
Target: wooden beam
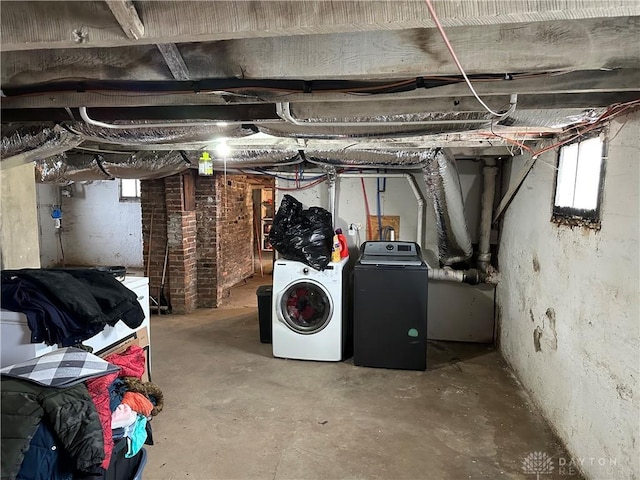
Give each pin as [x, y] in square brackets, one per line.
[127, 16]
[544, 46]
[582, 84]
[174, 60]
[31, 25]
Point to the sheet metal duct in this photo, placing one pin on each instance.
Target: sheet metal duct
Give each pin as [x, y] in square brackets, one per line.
[443, 187]
[28, 144]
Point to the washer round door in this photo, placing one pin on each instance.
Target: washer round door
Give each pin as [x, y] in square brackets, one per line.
[305, 306]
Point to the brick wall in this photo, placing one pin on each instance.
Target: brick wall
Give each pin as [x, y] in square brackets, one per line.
[152, 200]
[210, 248]
[206, 241]
[234, 232]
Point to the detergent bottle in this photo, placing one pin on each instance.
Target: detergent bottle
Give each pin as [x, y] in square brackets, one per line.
[344, 248]
[335, 252]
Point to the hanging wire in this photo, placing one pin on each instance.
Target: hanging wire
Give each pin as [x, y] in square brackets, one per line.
[436, 20]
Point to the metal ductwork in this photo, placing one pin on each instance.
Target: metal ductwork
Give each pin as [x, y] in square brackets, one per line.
[66, 168]
[405, 160]
[443, 187]
[28, 144]
[70, 167]
[158, 135]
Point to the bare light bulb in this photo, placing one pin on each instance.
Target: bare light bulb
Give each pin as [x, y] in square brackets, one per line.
[223, 149]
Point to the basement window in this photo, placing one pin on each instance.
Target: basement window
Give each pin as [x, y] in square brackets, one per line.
[129, 189]
[579, 182]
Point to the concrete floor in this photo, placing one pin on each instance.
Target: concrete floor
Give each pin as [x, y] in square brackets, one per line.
[232, 411]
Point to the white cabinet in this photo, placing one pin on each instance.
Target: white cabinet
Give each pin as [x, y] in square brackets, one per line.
[15, 334]
[16, 337]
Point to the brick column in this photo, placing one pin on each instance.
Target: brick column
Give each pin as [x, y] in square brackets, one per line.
[181, 238]
[207, 241]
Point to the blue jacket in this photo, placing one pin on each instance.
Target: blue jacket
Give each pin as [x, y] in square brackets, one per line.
[46, 458]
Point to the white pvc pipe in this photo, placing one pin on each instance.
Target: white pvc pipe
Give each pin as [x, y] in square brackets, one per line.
[488, 191]
[332, 199]
[414, 189]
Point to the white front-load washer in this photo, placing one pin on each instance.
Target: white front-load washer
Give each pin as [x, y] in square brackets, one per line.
[309, 311]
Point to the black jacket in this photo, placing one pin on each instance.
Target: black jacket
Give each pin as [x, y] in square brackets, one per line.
[69, 411]
[83, 301]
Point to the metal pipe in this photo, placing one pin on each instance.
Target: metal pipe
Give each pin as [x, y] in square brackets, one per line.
[472, 277]
[488, 192]
[414, 189]
[85, 116]
[283, 110]
[331, 178]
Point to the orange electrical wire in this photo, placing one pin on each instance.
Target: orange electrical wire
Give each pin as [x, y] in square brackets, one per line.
[611, 112]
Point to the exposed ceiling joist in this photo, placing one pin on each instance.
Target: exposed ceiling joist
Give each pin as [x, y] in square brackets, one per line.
[125, 13]
[127, 16]
[205, 21]
[574, 83]
[545, 46]
[174, 60]
[326, 110]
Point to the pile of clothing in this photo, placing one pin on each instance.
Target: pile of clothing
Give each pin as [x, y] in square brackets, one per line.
[67, 307]
[66, 414]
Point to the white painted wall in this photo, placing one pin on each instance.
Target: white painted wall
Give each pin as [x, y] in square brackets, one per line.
[455, 312]
[581, 288]
[48, 197]
[18, 218]
[97, 228]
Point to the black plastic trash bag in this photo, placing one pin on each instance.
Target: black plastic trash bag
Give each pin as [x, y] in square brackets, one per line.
[302, 235]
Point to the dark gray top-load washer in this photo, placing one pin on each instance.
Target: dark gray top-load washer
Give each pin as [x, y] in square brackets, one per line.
[390, 306]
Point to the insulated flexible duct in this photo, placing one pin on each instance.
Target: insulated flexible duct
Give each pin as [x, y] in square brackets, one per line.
[158, 136]
[239, 159]
[370, 158]
[66, 168]
[28, 144]
[70, 167]
[443, 187]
